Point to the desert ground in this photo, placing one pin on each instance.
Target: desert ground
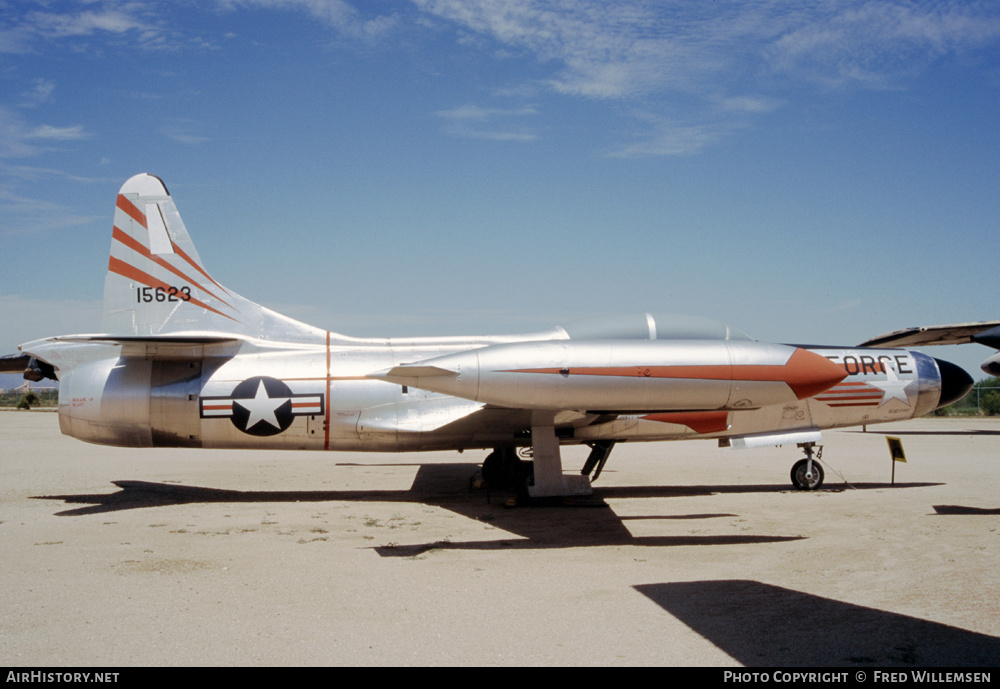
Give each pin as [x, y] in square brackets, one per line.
[686, 555]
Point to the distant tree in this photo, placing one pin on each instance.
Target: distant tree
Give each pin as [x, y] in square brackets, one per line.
[989, 403]
[980, 400]
[988, 400]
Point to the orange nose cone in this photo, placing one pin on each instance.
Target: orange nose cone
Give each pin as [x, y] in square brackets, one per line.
[807, 373]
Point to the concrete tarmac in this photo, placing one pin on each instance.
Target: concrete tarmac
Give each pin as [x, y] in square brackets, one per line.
[687, 555]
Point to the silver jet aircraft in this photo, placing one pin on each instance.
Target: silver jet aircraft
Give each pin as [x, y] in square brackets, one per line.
[184, 362]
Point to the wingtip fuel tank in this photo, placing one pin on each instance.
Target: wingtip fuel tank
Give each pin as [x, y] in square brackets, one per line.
[625, 376]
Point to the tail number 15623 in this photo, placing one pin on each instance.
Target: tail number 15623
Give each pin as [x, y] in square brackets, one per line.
[168, 293]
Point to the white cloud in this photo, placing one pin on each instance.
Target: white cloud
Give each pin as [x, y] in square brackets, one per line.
[715, 65]
[475, 122]
[17, 136]
[82, 24]
[699, 61]
[16, 40]
[749, 104]
[874, 43]
[843, 306]
[336, 14]
[33, 174]
[13, 132]
[46, 131]
[664, 137]
[83, 19]
[184, 131]
[41, 92]
[631, 48]
[22, 215]
[605, 49]
[477, 114]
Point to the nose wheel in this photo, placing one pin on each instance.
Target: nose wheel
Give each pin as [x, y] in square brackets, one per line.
[807, 474]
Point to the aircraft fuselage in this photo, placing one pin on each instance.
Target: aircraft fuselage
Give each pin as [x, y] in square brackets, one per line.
[243, 394]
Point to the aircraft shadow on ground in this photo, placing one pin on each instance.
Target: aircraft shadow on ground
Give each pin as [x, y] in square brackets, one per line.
[967, 511]
[763, 625]
[570, 523]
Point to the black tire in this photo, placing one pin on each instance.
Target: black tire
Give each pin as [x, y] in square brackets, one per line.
[799, 479]
[503, 470]
[493, 469]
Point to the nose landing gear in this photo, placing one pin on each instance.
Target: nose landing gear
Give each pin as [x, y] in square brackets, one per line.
[807, 474]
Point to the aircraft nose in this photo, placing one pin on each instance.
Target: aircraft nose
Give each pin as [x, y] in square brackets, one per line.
[955, 382]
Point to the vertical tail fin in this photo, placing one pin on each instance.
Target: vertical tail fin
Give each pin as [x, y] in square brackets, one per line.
[156, 282]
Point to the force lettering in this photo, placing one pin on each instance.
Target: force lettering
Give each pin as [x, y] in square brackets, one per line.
[872, 365]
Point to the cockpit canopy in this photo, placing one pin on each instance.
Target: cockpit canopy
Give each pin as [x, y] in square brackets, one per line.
[652, 326]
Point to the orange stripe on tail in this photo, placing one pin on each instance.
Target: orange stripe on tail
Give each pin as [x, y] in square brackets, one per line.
[119, 267]
[131, 210]
[136, 246]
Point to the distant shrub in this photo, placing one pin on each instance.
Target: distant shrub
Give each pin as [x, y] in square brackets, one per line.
[28, 400]
[989, 403]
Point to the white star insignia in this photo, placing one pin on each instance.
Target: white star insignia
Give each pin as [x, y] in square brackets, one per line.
[892, 387]
[262, 407]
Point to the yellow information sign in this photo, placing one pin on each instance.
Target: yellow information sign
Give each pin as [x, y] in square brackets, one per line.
[896, 449]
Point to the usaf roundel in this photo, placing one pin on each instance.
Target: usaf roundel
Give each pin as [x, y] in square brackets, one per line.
[261, 406]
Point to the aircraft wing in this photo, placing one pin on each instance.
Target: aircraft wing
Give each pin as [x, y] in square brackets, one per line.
[14, 363]
[984, 333]
[957, 333]
[31, 368]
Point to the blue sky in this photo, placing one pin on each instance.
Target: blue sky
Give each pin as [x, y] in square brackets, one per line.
[810, 172]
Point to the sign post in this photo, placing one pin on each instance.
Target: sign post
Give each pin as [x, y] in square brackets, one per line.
[897, 454]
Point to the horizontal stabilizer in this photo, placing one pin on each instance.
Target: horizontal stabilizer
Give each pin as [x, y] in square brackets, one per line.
[182, 348]
[167, 340]
[71, 350]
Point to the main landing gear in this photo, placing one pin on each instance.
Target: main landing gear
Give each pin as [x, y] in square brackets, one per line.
[807, 474]
[503, 469]
[542, 477]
